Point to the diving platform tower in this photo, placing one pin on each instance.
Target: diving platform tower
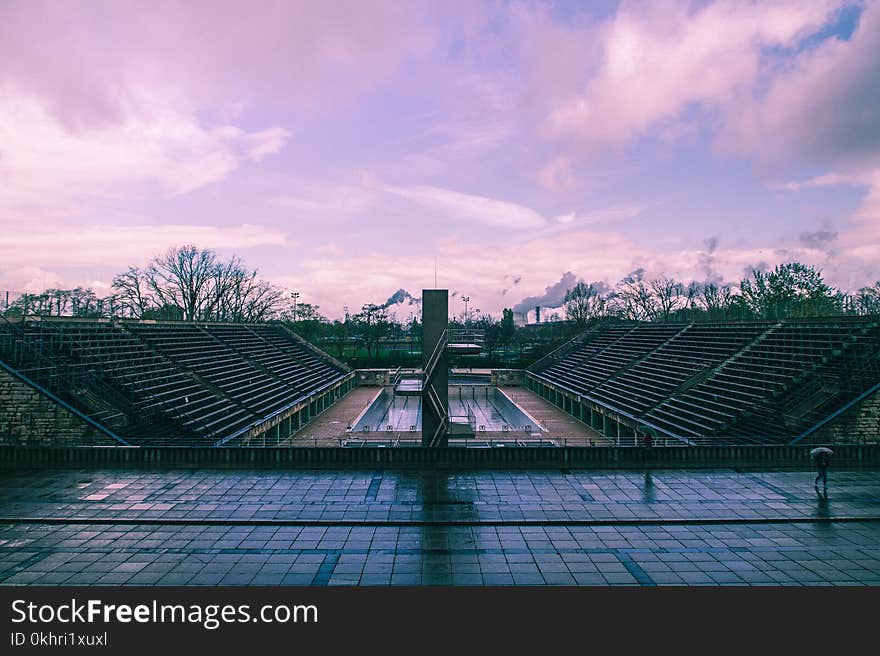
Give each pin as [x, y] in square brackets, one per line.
[438, 343]
[435, 365]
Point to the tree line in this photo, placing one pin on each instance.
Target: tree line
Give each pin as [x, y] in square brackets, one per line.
[791, 290]
[185, 283]
[191, 284]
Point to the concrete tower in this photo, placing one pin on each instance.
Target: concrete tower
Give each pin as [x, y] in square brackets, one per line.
[435, 363]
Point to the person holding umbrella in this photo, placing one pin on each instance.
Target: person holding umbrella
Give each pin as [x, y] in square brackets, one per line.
[822, 456]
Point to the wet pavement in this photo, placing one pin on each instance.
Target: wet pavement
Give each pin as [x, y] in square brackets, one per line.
[578, 527]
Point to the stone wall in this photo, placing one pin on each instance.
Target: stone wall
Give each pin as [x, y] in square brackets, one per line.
[861, 421]
[30, 418]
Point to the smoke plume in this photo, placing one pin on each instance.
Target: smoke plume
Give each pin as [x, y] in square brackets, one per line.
[553, 295]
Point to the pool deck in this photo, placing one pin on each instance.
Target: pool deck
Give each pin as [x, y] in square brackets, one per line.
[330, 425]
[549, 527]
[557, 424]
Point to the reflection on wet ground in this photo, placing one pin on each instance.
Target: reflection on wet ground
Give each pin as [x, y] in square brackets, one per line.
[438, 528]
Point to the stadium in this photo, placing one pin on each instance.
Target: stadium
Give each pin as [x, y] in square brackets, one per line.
[153, 383]
[211, 453]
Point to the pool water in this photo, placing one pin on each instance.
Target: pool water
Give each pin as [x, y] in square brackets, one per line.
[485, 407]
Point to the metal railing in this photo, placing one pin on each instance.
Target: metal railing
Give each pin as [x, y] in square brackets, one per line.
[597, 442]
[469, 442]
[465, 336]
[393, 439]
[430, 392]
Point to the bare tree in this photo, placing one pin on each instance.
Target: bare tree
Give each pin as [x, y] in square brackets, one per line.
[633, 299]
[692, 293]
[867, 299]
[239, 295]
[184, 283]
[84, 303]
[181, 278]
[78, 302]
[258, 300]
[195, 285]
[668, 296]
[713, 297]
[582, 303]
[131, 292]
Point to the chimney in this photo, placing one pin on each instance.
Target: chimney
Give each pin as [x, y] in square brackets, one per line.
[537, 314]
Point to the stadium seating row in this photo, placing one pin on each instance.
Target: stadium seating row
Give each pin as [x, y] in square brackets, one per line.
[742, 378]
[202, 383]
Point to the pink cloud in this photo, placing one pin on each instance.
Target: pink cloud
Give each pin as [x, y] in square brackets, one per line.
[82, 59]
[60, 246]
[110, 111]
[557, 175]
[123, 100]
[821, 110]
[28, 279]
[361, 278]
[51, 168]
[662, 58]
[862, 237]
[468, 207]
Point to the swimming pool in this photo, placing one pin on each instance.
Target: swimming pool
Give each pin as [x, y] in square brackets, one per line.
[484, 408]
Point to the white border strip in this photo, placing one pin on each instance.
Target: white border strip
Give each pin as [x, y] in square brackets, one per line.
[521, 409]
[366, 409]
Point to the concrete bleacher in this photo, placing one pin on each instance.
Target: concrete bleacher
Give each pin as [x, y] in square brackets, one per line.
[170, 382]
[738, 379]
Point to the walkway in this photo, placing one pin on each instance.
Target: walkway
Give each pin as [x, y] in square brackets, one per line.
[426, 528]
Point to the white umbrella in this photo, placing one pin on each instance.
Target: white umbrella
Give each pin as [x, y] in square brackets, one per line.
[820, 449]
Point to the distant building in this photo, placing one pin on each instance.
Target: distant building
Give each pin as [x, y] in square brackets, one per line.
[537, 315]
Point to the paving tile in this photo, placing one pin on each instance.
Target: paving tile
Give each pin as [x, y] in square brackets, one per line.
[838, 553]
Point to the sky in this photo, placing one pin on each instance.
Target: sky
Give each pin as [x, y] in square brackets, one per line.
[349, 149]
